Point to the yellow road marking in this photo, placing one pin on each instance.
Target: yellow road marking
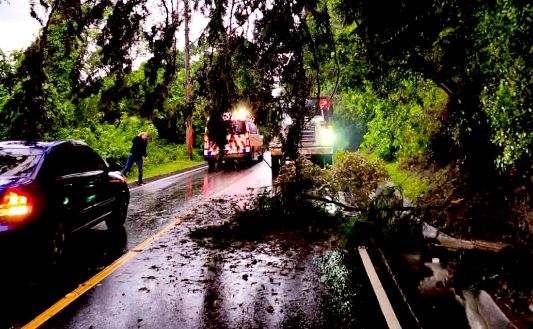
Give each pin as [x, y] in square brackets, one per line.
[97, 278]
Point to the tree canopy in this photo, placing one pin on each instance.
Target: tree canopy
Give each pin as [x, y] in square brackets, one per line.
[449, 76]
[475, 51]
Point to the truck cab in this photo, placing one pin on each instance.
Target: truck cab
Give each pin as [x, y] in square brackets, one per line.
[317, 133]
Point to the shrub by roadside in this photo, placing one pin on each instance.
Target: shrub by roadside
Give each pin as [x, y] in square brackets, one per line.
[113, 143]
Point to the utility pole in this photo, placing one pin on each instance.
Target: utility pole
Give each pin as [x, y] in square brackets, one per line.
[188, 117]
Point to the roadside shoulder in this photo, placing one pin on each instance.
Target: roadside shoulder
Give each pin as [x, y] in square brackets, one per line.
[133, 184]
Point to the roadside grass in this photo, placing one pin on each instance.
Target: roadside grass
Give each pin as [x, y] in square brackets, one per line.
[151, 170]
[412, 186]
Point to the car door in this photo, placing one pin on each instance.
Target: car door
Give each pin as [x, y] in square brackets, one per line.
[61, 186]
[96, 197]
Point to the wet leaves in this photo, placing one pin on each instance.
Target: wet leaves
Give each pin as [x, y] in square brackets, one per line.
[228, 271]
[255, 219]
[150, 277]
[144, 289]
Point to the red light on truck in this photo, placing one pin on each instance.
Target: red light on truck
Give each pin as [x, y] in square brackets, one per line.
[324, 103]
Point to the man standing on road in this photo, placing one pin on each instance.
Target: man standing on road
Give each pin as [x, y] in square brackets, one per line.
[137, 152]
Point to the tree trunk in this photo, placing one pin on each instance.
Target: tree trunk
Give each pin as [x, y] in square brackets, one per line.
[188, 118]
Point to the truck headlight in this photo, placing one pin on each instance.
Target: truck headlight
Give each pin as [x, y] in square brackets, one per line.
[327, 137]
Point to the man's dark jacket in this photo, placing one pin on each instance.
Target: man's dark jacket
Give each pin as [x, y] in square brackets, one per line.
[138, 149]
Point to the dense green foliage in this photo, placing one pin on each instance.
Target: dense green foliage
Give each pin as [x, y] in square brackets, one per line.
[78, 79]
[442, 82]
[399, 124]
[505, 59]
[353, 175]
[440, 86]
[474, 51]
[356, 176]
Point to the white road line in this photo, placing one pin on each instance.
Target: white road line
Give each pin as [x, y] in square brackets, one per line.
[383, 300]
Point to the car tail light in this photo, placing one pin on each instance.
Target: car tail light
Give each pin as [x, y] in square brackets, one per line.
[117, 176]
[15, 205]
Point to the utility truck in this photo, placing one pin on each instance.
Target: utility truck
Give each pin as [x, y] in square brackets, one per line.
[317, 137]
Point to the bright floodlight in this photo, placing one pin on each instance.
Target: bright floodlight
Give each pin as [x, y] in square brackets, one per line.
[241, 113]
[327, 136]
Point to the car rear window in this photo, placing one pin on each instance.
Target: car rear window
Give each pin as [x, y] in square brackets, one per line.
[17, 162]
[237, 127]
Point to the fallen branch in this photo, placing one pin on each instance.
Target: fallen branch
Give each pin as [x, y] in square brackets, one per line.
[352, 208]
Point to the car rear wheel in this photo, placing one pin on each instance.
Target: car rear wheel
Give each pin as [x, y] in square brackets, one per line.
[118, 216]
[55, 243]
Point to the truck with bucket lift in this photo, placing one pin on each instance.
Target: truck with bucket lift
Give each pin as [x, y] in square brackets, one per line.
[244, 143]
[317, 136]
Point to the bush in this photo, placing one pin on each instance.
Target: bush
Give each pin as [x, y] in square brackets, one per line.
[356, 175]
[304, 175]
[114, 142]
[108, 140]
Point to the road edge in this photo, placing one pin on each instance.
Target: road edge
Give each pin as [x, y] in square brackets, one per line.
[133, 184]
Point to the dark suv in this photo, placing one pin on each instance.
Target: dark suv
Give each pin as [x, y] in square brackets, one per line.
[49, 190]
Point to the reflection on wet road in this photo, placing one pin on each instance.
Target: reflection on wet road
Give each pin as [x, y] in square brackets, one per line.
[154, 205]
[27, 290]
[177, 282]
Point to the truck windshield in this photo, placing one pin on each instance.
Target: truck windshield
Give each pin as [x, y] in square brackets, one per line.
[326, 113]
[237, 127]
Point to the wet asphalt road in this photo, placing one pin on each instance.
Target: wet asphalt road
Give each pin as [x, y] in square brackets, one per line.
[177, 283]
